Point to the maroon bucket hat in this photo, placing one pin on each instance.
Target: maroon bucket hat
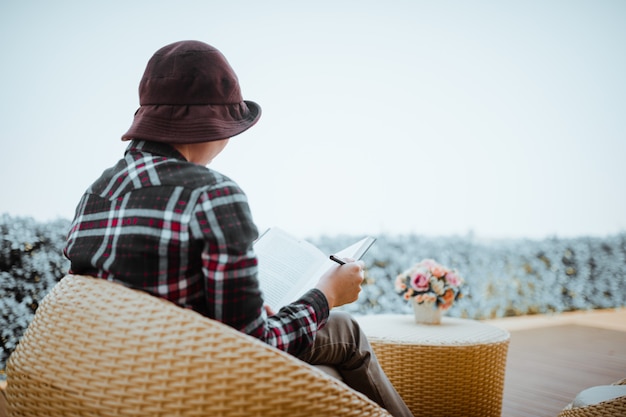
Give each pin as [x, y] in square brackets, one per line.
[189, 93]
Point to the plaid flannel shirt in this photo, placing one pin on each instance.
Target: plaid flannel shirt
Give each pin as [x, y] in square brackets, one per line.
[183, 232]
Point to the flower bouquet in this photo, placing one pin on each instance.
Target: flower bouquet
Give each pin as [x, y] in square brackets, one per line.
[431, 288]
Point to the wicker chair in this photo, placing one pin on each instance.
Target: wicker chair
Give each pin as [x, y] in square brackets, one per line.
[615, 407]
[101, 349]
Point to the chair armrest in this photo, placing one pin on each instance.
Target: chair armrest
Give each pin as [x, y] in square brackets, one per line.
[96, 346]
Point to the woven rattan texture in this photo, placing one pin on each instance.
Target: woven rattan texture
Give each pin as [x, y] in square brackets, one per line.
[612, 408]
[96, 348]
[446, 380]
[401, 328]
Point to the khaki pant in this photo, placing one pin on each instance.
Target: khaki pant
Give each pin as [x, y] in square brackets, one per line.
[342, 345]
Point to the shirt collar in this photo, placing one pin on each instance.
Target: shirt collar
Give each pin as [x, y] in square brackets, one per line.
[155, 148]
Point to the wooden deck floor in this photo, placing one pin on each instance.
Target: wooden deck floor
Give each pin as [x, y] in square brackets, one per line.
[551, 359]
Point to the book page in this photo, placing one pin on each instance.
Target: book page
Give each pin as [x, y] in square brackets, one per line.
[356, 250]
[286, 266]
[289, 267]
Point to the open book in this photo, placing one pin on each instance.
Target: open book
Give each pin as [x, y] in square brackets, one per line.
[289, 267]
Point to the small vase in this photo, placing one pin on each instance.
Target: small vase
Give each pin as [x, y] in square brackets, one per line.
[426, 313]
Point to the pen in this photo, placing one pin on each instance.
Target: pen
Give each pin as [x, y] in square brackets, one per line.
[339, 261]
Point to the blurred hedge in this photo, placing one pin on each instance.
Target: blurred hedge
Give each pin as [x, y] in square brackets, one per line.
[504, 278]
[31, 262]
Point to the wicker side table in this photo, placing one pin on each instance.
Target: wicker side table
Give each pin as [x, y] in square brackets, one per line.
[456, 368]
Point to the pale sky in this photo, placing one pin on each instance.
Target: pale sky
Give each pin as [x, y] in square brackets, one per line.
[501, 118]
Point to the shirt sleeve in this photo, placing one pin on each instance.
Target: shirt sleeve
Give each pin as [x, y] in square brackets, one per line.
[229, 267]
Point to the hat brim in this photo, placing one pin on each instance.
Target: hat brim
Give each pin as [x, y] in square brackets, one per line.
[192, 123]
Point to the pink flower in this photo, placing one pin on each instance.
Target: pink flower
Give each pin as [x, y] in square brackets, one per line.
[399, 284]
[438, 270]
[430, 282]
[420, 281]
[453, 279]
[428, 263]
[429, 298]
